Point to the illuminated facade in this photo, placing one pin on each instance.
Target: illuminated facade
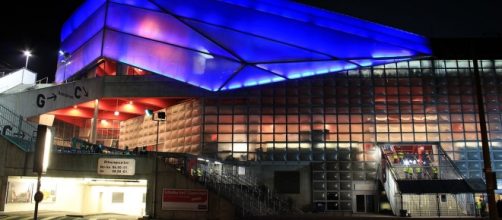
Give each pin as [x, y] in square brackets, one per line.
[325, 93]
[221, 45]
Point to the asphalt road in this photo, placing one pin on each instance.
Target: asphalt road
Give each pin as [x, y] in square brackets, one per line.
[47, 215]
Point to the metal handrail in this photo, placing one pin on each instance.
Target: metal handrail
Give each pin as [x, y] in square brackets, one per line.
[451, 162]
[46, 79]
[26, 130]
[242, 190]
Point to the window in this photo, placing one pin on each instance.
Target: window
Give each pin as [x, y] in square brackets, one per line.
[117, 197]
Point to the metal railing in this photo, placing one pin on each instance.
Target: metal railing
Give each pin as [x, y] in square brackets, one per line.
[20, 132]
[44, 80]
[441, 167]
[244, 191]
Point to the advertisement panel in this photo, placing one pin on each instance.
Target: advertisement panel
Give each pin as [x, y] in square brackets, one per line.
[185, 200]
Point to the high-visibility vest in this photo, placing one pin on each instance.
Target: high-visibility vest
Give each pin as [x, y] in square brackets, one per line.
[401, 155]
[434, 170]
[418, 170]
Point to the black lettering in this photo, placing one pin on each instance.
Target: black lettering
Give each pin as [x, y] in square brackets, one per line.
[40, 100]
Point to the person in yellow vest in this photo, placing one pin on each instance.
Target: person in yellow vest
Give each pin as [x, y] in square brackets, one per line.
[395, 158]
[435, 172]
[478, 208]
[405, 171]
[418, 171]
[408, 172]
[400, 154]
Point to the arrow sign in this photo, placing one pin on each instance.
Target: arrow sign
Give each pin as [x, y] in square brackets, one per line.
[78, 92]
[54, 96]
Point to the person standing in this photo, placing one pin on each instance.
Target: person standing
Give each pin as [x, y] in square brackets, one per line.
[499, 208]
[477, 204]
[418, 171]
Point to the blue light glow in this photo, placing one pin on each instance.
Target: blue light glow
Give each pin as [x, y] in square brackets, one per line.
[85, 31]
[251, 75]
[205, 42]
[159, 26]
[80, 16]
[138, 3]
[255, 49]
[304, 69]
[336, 21]
[175, 62]
[337, 43]
[80, 58]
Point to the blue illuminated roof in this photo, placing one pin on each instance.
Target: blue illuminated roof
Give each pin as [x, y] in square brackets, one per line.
[228, 44]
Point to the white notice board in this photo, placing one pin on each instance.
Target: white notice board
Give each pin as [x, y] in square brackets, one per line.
[116, 166]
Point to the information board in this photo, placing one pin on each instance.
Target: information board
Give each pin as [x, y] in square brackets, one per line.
[116, 166]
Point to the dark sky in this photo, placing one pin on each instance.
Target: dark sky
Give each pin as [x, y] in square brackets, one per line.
[36, 24]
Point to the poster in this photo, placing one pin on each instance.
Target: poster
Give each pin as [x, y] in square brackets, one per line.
[19, 192]
[185, 199]
[49, 192]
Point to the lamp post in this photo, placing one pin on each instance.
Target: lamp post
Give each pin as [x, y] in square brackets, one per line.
[27, 54]
[161, 116]
[41, 158]
[490, 176]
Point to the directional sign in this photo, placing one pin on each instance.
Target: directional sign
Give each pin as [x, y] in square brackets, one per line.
[80, 91]
[41, 99]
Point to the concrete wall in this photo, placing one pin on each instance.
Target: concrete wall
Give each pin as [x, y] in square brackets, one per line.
[15, 162]
[40, 101]
[12, 163]
[302, 200]
[219, 208]
[21, 76]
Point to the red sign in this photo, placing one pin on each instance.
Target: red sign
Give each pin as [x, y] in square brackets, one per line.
[185, 199]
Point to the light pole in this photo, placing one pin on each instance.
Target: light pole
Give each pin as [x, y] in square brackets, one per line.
[41, 159]
[27, 54]
[161, 116]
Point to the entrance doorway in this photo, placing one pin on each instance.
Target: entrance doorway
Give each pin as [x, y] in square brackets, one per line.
[365, 203]
[78, 195]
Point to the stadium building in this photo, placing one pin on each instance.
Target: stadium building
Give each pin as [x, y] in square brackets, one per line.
[255, 108]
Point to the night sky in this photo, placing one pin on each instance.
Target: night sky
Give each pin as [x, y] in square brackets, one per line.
[37, 24]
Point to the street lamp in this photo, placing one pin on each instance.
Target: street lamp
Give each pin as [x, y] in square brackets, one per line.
[27, 54]
[41, 159]
[161, 116]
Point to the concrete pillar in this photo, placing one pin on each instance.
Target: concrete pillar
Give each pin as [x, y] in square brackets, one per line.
[94, 123]
[121, 69]
[3, 192]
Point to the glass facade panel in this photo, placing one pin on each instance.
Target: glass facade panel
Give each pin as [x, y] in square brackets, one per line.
[81, 58]
[160, 27]
[210, 72]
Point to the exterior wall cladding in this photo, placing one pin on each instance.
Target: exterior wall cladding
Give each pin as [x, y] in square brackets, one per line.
[319, 118]
[337, 121]
[408, 102]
